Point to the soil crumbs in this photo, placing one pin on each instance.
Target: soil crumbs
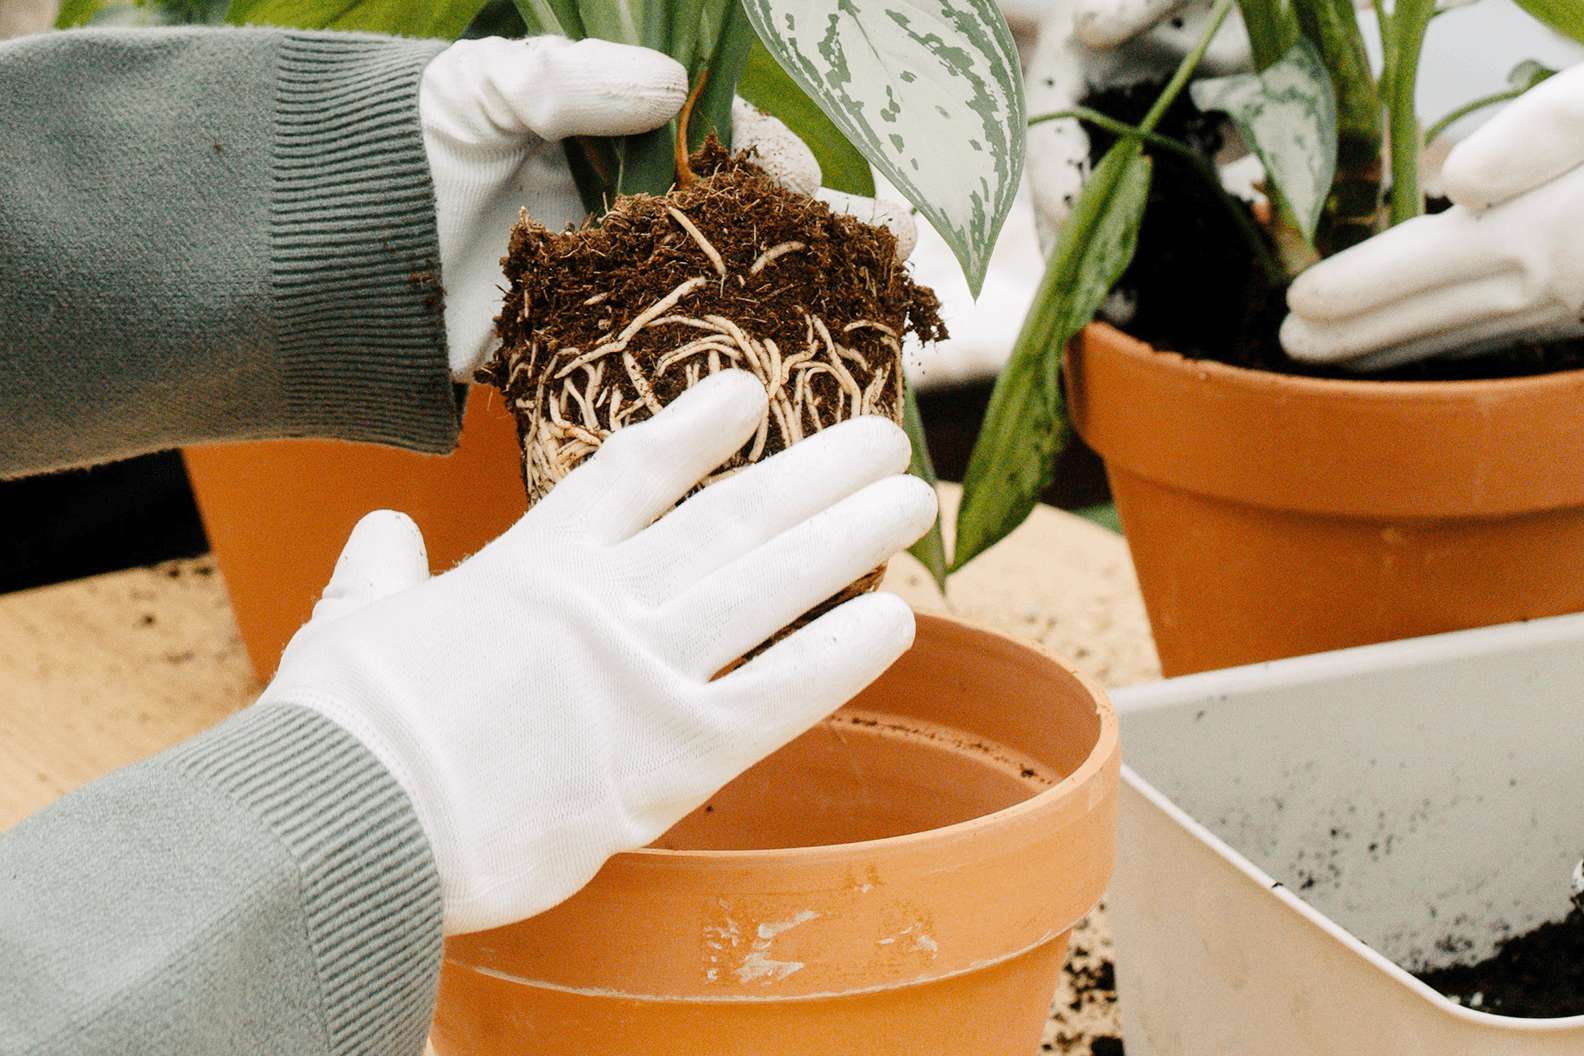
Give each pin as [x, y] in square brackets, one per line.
[1192, 288]
[1084, 1020]
[1537, 975]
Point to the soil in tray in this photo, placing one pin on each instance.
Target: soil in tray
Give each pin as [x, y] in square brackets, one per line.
[1537, 975]
[1193, 287]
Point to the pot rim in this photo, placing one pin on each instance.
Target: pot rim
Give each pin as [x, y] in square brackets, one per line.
[1362, 387]
[1104, 750]
[1453, 450]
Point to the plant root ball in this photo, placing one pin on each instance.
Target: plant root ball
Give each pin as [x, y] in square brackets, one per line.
[604, 325]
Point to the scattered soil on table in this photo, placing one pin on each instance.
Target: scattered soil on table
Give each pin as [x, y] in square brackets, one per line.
[1537, 975]
[1193, 286]
[1084, 1019]
[605, 324]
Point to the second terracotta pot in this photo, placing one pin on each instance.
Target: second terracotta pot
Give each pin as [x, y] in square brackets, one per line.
[899, 881]
[1271, 515]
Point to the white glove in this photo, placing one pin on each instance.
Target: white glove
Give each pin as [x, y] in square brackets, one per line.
[548, 702]
[1503, 264]
[493, 112]
[1090, 45]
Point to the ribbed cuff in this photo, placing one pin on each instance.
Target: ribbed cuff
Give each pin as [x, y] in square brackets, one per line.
[370, 890]
[354, 258]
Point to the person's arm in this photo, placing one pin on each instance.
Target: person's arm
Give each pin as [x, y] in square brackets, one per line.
[264, 888]
[215, 235]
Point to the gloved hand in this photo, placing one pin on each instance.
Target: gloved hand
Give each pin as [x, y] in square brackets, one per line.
[1503, 264]
[548, 702]
[1090, 45]
[493, 113]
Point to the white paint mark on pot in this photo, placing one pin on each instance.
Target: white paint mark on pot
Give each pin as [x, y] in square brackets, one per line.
[758, 965]
[926, 942]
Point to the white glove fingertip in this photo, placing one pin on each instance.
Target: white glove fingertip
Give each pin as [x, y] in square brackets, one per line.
[1306, 342]
[877, 212]
[384, 553]
[777, 149]
[597, 88]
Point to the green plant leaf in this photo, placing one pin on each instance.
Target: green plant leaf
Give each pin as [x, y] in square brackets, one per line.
[928, 90]
[1025, 426]
[767, 86]
[1527, 74]
[1564, 16]
[930, 550]
[444, 19]
[559, 17]
[75, 13]
[1287, 114]
[623, 21]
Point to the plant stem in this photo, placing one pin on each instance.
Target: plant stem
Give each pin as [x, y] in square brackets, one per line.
[1201, 166]
[1409, 22]
[684, 171]
[1436, 130]
[1272, 29]
[1353, 206]
[1186, 68]
[726, 61]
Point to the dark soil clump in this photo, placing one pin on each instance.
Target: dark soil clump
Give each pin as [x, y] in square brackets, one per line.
[605, 324]
[1194, 289]
[1537, 975]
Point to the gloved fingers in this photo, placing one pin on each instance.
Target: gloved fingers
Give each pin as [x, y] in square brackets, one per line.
[800, 680]
[746, 601]
[1453, 313]
[1535, 139]
[1552, 322]
[1426, 253]
[1106, 24]
[777, 149]
[495, 92]
[642, 470]
[384, 554]
[894, 216]
[731, 518]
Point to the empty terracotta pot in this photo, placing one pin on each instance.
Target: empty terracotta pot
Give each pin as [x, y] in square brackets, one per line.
[900, 880]
[1273, 516]
[278, 512]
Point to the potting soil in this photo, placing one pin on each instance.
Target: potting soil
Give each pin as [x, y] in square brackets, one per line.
[1193, 288]
[603, 325]
[1536, 975]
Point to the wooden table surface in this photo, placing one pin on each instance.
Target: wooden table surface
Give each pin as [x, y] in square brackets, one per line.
[101, 672]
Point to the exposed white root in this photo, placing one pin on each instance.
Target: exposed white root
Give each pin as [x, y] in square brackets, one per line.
[582, 403]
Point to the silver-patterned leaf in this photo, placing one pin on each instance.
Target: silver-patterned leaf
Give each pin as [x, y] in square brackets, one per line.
[927, 90]
[1288, 116]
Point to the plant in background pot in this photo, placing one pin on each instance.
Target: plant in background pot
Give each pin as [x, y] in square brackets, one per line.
[1273, 506]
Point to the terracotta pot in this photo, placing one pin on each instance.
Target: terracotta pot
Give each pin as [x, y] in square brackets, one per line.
[277, 513]
[1273, 516]
[900, 880]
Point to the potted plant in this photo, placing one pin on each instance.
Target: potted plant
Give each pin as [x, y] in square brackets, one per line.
[1368, 850]
[1274, 508]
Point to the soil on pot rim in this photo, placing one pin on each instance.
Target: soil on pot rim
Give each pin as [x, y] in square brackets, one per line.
[1536, 975]
[1192, 288]
[603, 325]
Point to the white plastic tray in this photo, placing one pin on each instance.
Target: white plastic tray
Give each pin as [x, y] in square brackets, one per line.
[1293, 833]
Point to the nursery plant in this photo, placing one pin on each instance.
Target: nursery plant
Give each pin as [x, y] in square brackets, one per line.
[1315, 114]
[694, 260]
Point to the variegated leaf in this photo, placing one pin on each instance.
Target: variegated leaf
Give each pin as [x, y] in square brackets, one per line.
[1288, 115]
[1564, 16]
[927, 90]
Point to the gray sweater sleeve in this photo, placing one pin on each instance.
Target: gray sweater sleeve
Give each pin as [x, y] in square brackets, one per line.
[215, 234]
[264, 888]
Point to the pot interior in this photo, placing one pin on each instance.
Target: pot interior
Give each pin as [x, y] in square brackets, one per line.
[861, 776]
[965, 724]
